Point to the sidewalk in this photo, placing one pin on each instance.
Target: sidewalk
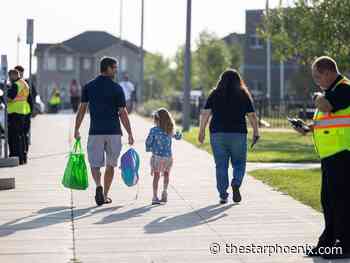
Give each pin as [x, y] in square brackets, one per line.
[40, 221]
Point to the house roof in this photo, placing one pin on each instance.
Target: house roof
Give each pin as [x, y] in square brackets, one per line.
[234, 38]
[43, 46]
[89, 42]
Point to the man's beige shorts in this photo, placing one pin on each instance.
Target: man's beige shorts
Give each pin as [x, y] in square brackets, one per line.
[100, 145]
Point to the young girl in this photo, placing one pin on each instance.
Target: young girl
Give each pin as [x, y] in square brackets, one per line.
[159, 143]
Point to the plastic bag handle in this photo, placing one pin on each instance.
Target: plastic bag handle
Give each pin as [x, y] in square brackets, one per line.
[77, 146]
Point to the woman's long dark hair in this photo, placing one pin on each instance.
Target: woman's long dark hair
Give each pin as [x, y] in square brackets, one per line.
[231, 85]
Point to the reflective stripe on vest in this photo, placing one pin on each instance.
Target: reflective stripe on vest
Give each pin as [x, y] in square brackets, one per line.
[332, 130]
[22, 95]
[334, 121]
[20, 104]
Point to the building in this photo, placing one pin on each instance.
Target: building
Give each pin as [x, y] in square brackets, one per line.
[255, 60]
[254, 67]
[237, 40]
[78, 58]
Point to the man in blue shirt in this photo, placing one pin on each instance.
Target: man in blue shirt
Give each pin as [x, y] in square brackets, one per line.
[106, 102]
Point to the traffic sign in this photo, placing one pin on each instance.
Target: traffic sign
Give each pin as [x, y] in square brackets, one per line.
[30, 31]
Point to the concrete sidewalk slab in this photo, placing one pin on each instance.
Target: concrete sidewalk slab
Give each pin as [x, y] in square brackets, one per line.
[40, 220]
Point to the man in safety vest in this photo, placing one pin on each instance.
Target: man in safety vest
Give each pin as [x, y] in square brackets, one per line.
[55, 101]
[18, 108]
[331, 134]
[31, 101]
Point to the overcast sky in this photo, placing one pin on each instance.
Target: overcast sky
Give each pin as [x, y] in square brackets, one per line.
[165, 21]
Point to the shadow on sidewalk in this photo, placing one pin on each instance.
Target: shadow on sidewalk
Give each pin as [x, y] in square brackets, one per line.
[49, 216]
[126, 215]
[321, 260]
[195, 218]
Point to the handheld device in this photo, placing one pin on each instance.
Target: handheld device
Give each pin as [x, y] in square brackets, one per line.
[255, 140]
[298, 123]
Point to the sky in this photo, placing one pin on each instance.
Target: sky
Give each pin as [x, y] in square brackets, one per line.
[164, 22]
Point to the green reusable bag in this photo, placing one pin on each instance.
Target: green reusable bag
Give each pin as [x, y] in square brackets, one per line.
[75, 175]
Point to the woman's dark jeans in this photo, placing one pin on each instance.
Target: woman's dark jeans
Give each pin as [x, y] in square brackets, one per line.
[226, 147]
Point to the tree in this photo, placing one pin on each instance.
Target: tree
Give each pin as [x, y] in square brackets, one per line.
[212, 57]
[310, 29]
[158, 77]
[179, 69]
[236, 55]
[302, 83]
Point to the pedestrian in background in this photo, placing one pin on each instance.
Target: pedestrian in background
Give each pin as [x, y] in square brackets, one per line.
[18, 109]
[128, 88]
[31, 101]
[55, 100]
[74, 92]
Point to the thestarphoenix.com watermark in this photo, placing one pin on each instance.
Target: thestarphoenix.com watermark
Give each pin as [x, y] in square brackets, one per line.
[216, 248]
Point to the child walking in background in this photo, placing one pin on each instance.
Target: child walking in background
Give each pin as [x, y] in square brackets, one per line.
[159, 142]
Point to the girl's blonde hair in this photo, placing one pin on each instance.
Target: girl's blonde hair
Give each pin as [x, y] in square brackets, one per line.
[164, 120]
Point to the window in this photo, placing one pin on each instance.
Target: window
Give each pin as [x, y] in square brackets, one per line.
[255, 42]
[86, 64]
[69, 65]
[65, 63]
[124, 64]
[51, 63]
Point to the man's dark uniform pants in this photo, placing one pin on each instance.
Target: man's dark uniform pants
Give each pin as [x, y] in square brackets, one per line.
[335, 200]
[17, 136]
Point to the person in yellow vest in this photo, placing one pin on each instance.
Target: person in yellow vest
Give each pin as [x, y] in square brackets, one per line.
[55, 100]
[331, 135]
[31, 101]
[18, 108]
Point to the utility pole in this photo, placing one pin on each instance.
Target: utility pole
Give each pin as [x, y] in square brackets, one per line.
[268, 64]
[30, 40]
[18, 43]
[120, 40]
[187, 71]
[139, 94]
[282, 89]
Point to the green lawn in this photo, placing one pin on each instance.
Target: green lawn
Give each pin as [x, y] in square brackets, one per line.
[272, 147]
[302, 185]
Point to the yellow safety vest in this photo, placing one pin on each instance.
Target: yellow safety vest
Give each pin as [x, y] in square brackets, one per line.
[20, 103]
[332, 130]
[55, 100]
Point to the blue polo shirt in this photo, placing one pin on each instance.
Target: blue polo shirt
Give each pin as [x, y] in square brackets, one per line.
[105, 97]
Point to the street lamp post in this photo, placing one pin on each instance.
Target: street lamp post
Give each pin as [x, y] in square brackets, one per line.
[268, 64]
[18, 43]
[187, 71]
[282, 88]
[141, 80]
[30, 40]
[120, 39]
